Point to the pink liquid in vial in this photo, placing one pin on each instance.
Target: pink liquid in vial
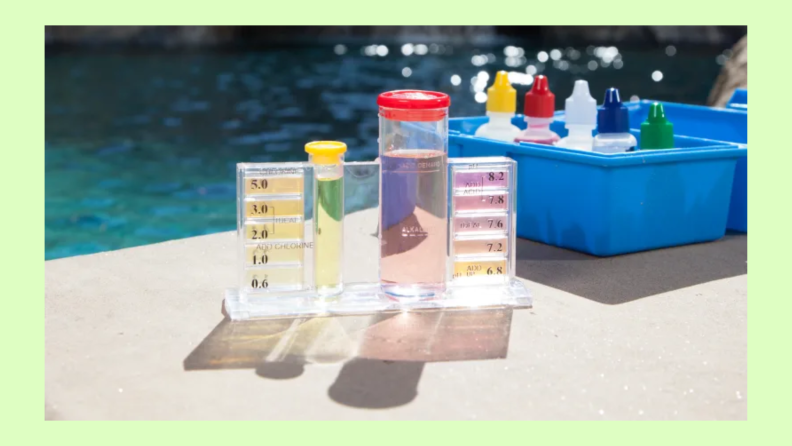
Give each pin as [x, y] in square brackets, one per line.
[413, 223]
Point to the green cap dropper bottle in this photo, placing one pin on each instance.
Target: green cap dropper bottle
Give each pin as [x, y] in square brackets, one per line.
[657, 132]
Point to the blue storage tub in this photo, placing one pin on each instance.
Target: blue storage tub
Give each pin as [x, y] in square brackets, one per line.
[739, 99]
[613, 204]
[720, 124]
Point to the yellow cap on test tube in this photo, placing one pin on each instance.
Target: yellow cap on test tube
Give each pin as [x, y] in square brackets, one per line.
[326, 152]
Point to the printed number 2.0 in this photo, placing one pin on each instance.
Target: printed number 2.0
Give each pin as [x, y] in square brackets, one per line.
[260, 235]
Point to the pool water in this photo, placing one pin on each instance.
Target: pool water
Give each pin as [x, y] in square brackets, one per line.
[141, 148]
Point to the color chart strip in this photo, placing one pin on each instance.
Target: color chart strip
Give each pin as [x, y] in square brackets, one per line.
[493, 201]
[279, 278]
[274, 185]
[473, 268]
[487, 246]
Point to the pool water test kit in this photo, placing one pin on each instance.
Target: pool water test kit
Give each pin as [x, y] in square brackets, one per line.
[444, 229]
[449, 198]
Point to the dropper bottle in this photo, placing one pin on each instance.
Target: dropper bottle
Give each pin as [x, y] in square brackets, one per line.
[501, 106]
[613, 125]
[539, 108]
[580, 112]
[657, 132]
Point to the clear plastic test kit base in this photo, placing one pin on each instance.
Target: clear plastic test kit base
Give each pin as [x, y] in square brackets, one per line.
[414, 231]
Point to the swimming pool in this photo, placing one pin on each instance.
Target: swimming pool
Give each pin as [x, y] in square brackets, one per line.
[141, 148]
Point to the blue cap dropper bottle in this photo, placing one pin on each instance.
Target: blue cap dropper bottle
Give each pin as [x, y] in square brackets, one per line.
[613, 125]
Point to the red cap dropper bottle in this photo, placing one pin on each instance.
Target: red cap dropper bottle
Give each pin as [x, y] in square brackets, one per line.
[538, 109]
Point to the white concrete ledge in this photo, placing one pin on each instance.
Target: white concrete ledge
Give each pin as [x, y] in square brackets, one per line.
[138, 334]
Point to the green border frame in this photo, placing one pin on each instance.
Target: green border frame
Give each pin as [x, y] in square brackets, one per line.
[22, 40]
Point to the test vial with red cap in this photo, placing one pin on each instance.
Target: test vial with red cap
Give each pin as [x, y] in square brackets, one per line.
[539, 109]
[413, 230]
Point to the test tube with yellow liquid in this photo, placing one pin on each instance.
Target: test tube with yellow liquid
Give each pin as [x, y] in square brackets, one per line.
[327, 158]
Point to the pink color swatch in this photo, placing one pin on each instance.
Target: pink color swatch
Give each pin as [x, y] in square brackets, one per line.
[490, 223]
[495, 245]
[481, 179]
[484, 202]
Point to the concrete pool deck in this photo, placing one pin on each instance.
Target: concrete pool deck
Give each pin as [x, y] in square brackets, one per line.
[139, 334]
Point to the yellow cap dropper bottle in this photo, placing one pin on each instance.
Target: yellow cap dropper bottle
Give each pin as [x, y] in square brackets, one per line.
[327, 158]
[501, 106]
[501, 96]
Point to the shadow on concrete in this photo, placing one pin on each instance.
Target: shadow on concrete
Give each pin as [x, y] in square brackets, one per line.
[383, 355]
[620, 279]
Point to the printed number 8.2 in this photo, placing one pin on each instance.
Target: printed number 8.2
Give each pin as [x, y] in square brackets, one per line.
[495, 176]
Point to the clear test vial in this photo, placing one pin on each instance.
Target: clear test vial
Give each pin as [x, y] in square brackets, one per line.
[413, 148]
[327, 158]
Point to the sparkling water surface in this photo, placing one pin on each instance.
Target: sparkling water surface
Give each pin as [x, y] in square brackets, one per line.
[141, 148]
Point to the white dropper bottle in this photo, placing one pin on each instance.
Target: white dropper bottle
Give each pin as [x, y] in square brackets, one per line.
[501, 106]
[580, 112]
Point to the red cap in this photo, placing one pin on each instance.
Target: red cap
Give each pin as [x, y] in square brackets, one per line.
[413, 105]
[539, 102]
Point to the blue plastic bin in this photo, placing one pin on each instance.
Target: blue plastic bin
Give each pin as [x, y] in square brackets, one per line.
[720, 124]
[739, 99]
[613, 204]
